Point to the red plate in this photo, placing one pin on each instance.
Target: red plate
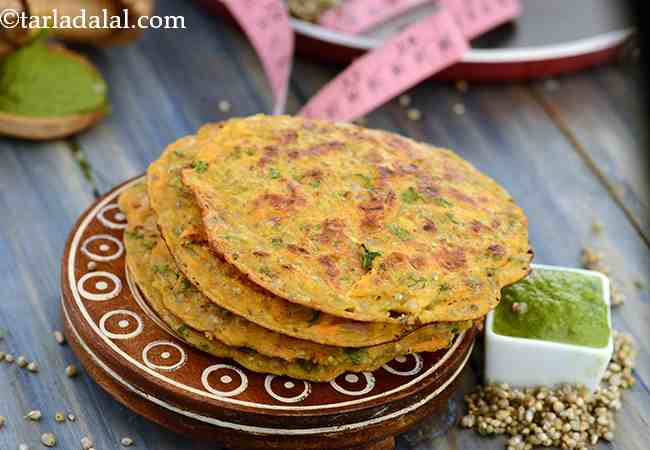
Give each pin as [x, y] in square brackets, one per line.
[551, 37]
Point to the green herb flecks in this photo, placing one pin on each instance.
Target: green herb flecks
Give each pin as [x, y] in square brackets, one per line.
[305, 365]
[399, 232]
[265, 270]
[453, 219]
[411, 195]
[160, 268]
[368, 257]
[199, 166]
[356, 355]
[442, 202]
[364, 180]
[133, 234]
[186, 285]
[314, 318]
[274, 173]
[416, 282]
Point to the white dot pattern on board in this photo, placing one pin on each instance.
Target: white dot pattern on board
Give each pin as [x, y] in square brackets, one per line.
[238, 390]
[418, 364]
[101, 216]
[182, 356]
[104, 247]
[352, 378]
[268, 386]
[370, 385]
[121, 312]
[101, 296]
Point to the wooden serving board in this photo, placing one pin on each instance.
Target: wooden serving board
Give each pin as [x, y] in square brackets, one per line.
[131, 353]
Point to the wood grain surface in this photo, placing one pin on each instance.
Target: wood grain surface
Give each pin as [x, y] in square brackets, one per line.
[571, 151]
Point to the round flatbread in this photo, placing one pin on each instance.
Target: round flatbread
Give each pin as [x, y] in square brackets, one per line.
[156, 279]
[181, 226]
[183, 300]
[358, 223]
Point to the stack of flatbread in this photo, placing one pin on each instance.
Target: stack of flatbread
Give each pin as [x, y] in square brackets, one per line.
[307, 248]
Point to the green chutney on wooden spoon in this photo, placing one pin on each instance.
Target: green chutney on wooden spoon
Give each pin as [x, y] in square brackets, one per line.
[48, 92]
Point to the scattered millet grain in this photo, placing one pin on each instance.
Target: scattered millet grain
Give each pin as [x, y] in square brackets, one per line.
[519, 307]
[86, 443]
[21, 361]
[33, 367]
[59, 338]
[310, 10]
[23, 447]
[3, 420]
[459, 109]
[597, 227]
[568, 417]
[361, 121]
[71, 371]
[593, 261]
[48, 439]
[224, 105]
[404, 100]
[34, 415]
[9, 358]
[551, 85]
[59, 417]
[462, 86]
[413, 114]
[126, 442]
[72, 417]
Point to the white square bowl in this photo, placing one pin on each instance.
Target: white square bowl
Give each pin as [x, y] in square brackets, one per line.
[524, 362]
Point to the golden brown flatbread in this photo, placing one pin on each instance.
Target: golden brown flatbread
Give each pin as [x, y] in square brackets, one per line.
[357, 223]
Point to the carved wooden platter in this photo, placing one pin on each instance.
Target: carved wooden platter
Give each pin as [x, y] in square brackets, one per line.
[132, 354]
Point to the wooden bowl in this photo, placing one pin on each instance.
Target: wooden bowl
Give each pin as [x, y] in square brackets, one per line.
[131, 354]
[47, 128]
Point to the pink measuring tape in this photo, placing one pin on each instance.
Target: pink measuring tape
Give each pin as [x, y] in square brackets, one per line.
[266, 24]
[405, 60]
[421, 50]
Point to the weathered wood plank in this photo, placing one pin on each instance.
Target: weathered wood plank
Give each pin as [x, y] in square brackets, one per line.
[166, 86]
[42, 192]
[602, 111]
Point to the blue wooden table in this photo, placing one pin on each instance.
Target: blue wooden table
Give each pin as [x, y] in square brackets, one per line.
[570, 150]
